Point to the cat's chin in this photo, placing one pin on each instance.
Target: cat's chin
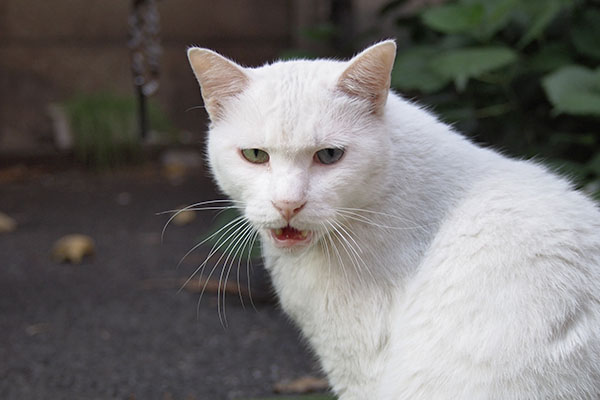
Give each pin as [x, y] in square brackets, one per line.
[290, 238]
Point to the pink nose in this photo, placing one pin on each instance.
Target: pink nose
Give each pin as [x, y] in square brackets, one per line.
[288, 208]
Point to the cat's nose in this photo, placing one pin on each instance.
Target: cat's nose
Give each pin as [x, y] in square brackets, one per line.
[288, 208]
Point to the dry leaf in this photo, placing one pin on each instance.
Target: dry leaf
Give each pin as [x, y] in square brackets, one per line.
[306, 384]
[7, 224]
[184, 217]
[72, 248]
[36, 329]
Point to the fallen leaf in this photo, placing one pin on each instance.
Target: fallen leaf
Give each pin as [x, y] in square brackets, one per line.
[306, 384]
[36, 329]
[184, 217]
[7, 224]
[73, 248]
[13, 174]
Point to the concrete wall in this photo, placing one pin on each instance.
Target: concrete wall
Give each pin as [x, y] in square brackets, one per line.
[51, 50]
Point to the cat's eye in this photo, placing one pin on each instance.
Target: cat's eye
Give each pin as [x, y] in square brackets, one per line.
[256, 156]
[329, 155]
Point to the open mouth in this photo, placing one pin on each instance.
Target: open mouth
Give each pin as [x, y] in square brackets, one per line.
[289, 236]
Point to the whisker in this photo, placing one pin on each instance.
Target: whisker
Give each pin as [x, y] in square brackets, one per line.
[244, 246]
[202, 203]
[339, 257]
[237, 234]
[194, 108]
[357, 257]
[229, 224]
[227, 266]
[221, 208]
[221, 241]
[327, 252]
[361, 218]
[248, 265]
[387, 215]
[344, 242]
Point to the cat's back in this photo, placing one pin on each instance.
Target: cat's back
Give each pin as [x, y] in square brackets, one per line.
[506, 302]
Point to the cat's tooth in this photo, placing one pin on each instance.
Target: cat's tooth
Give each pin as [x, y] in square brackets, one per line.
[304, 233]
[278, 231]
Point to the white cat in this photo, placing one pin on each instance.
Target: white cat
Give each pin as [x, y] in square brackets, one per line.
[418, 265]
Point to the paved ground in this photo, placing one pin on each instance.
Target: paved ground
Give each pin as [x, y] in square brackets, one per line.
[114, 327]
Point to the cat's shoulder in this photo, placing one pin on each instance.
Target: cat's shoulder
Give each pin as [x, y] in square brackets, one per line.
[521, 205]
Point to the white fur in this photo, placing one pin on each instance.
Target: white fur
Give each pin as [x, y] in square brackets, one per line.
[482, 280]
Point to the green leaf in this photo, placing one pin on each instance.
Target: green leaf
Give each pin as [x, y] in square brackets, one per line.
[454, 18]
[411, 70]
[465, 63]
[542, 14]
[550, 58]
[574, 89]
[497, 15]
[585, 35]
[594, 164]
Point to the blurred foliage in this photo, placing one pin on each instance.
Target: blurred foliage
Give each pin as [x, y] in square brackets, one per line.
[105, 128]
[521, 75]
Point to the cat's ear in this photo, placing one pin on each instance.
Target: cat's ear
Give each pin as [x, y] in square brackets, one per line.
[368, 75]
[219, 79]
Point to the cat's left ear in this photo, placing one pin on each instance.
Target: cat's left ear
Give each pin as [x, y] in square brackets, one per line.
[368, 76]
[220, 79]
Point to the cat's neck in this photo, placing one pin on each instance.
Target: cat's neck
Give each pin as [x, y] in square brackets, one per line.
[430, 171]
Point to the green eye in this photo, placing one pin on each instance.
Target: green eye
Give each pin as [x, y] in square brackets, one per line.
[329, 156]
[256, 156]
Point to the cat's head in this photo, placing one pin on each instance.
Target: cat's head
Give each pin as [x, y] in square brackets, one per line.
[299, 143]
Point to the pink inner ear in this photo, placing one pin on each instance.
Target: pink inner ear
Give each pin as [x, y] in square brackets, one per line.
[369, 75]
[219, 78]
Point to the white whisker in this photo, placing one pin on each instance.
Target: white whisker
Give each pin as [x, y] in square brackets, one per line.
[221, 241]
[177, 212]
[227, 265]
[327, 252]
[361, 218]
[344, 242]
[348, 238]
[231, 224]
[248, 265]
[234, 238]
[339, 257]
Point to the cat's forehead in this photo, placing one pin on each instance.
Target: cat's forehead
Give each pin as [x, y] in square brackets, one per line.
[292, 104]
[303, 73]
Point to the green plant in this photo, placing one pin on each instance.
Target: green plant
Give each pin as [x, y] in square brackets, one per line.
[521, 75]
[105, 128]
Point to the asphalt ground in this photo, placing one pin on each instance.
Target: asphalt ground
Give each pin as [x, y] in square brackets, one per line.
[116, 326]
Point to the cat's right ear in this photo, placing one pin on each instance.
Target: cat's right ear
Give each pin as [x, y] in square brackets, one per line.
[219, 78]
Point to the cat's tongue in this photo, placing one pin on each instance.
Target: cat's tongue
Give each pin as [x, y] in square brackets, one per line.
[289, 236]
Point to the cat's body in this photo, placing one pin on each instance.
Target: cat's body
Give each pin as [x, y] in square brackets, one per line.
[418, 265]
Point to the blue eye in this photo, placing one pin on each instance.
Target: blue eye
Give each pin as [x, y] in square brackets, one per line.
[329, 156]
[255, 156]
